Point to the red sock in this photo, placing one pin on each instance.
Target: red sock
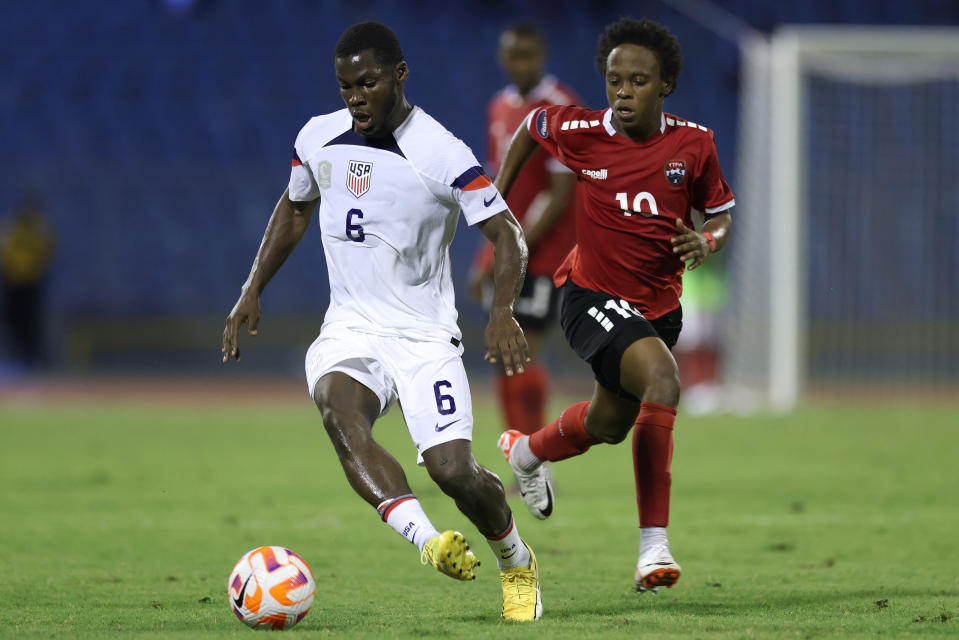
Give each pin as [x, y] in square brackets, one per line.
[505, 393]
[522, 398]
[652, 455]
[535, 394]
[564, 437]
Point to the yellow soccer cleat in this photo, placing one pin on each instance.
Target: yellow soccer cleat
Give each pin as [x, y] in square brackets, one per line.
[450, 554]
[521, 597]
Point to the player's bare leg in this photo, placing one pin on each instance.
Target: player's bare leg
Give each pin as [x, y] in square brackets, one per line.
[479, 494]
[647, 371]
[477, 491]
[647, 366]
[610, 417]
[349, 409]
[606, 418]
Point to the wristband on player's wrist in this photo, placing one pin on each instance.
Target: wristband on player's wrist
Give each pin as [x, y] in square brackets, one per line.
[711, 239]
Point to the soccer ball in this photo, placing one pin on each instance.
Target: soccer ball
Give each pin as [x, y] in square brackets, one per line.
[271, 586]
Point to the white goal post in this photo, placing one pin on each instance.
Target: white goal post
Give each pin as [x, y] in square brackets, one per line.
[831, 120]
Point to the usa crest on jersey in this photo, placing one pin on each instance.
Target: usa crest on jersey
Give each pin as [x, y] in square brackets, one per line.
[358, 177]
[676, 171]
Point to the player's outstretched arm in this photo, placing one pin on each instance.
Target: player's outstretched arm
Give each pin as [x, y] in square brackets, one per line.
[690, 245]
[521, 149]
[504, 339]
[283, 232]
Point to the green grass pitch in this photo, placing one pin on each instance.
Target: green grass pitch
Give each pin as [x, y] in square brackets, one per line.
[125, 521]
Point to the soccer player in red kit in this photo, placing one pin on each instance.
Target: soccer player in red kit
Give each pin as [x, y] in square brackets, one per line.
[642, 173]
[542, 199]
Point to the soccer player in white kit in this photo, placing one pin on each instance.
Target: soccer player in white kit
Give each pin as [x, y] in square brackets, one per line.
[390, 182]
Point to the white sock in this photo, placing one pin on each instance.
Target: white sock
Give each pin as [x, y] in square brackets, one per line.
[509, 550]
[407, 518]
[521, 455]
[651, 536]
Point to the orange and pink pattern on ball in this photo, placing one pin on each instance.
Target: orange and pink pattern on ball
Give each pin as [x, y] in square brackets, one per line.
[271, 586]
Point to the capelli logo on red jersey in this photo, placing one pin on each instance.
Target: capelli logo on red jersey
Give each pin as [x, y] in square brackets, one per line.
[597, 174]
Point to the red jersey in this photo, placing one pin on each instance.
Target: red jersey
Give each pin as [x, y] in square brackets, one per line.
[505, 112]
[633, 193]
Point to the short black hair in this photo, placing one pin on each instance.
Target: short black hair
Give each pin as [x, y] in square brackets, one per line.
[370, 35]
[527, 30]
[645, 33]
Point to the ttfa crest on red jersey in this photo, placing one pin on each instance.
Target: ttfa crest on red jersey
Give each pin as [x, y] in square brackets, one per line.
[358, 177]
[676, 171]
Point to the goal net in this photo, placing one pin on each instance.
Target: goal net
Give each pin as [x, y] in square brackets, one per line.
[845, 248]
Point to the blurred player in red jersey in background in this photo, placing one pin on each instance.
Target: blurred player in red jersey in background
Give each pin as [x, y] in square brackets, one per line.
[542, 199]
[642, 173]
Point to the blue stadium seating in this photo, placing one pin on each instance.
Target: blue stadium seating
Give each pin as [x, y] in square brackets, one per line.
[160, 139]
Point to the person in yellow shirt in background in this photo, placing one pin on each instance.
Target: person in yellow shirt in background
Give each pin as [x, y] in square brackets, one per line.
[26, 254]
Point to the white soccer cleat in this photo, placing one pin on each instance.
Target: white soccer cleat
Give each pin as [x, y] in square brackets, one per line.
[656, 568]
[535, 486]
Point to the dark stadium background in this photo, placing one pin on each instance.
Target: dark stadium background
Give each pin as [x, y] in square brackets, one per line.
[158, 136]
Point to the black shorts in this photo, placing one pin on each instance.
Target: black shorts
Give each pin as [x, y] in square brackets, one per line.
[537, 304]
[600, 327]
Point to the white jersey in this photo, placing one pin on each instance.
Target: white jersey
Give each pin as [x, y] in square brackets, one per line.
[388, 212]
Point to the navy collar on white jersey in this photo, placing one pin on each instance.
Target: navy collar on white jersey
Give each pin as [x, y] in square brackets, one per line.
[386, 143]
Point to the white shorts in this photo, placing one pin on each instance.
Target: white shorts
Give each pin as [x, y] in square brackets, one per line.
[426, 377]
